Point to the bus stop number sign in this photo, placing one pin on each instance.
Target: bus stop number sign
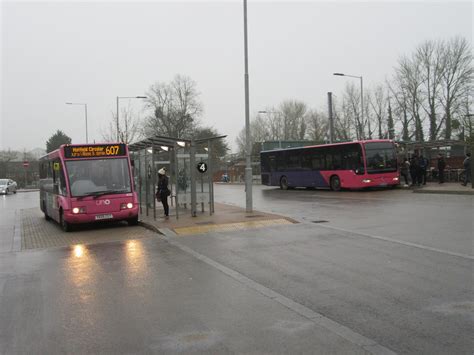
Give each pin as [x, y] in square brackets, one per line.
[202, 167]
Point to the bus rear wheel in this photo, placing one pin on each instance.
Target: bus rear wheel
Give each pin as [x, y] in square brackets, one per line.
[284, 183]
[335, 183]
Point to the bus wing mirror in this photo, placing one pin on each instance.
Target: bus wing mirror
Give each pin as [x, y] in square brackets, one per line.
[132, 162]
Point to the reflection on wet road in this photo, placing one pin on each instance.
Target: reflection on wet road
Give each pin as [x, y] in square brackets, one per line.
[442, 222]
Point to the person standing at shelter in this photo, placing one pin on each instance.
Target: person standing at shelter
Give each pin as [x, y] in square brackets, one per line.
[404, 170]
[163, 191]
[414, 170]
[423, 167]
[441, 167]
[467, 169]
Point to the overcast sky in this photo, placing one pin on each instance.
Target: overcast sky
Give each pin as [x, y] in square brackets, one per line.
[57, 52]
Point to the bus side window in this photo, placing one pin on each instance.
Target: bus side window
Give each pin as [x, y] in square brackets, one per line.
[328, 155]
[281, 161]
[306, 163]
[272, 163]
[317, 161]
[336, 158]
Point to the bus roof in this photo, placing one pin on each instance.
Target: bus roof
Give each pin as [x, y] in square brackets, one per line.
[331, 145]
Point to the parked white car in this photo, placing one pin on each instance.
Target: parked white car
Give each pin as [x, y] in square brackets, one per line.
[7, 186]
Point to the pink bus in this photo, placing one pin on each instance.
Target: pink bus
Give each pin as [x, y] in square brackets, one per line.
[88, 183]
[350, 165]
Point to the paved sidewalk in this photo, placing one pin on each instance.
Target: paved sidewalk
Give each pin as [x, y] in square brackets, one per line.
[225, 218]
[451, 188]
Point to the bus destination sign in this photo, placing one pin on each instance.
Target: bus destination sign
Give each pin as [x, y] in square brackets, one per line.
[94, 151]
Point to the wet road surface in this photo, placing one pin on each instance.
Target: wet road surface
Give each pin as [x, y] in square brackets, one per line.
[443, 222]
[304, 288]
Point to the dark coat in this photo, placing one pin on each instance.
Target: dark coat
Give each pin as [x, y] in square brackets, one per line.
[441, 163]
[163, 185]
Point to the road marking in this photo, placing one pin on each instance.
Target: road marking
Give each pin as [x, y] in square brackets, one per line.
[229, 227]
[344, 332]
[465, 256]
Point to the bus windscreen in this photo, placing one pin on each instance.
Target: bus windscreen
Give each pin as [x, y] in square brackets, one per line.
[381, 157]
[95, 176]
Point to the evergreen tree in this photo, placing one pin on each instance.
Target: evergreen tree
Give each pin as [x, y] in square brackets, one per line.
[56, 140]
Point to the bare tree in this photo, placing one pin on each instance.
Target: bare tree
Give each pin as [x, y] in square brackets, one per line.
[400, 110]
[293, 113]
[130, 127]
[258, 133]
[317, 126]
[378, 101]
[456, 79]
[430, 57]
[352, 109]
[176, 108]
[342, 121]
[5, 157]
[410, 76]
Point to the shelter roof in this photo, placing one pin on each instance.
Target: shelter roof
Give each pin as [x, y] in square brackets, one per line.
[165, 141]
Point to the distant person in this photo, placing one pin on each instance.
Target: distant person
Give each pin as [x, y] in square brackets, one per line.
[163, 191]
[467, 169]
[414, 170]
[441, 167]
[404, 170]
[423, 166]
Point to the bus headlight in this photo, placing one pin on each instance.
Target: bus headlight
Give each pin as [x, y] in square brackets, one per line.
[396, 179]
[129, 205]
[124, 206]
[77, 210]
[366, 181]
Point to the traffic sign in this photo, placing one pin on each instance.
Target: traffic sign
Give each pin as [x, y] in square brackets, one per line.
[202, 167]
[26, 163]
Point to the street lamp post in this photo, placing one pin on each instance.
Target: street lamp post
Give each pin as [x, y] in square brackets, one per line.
[124, 97]
[361, 92]
[248, 162]
[85, 111]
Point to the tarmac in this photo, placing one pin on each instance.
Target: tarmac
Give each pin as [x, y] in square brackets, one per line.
[450, 188]
[226, 218]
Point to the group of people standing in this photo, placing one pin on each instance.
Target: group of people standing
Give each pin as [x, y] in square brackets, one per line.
[417, 167]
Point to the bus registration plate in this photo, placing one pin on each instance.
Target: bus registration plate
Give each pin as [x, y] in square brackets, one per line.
[103, 216]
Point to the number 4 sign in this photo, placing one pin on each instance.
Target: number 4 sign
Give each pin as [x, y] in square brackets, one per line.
[202, 167]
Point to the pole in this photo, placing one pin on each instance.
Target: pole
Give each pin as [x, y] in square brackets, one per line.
[192, 163]
[331, 121]
[118, 138]
[362, 104]
[87, 137]
[248, 162]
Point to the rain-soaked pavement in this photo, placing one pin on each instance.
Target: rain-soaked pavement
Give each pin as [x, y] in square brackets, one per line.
[388, 270]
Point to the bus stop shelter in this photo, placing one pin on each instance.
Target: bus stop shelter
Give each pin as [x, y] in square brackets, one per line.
[187, 162]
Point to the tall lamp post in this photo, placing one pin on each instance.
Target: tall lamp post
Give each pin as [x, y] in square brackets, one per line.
[248, 162]
[361, 92]
[124, 97]
[85, 111]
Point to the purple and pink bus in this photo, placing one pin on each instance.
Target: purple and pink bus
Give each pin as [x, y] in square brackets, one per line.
[350, 165]
[88, 183]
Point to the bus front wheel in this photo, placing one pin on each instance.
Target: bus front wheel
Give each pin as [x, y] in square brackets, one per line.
[46, 217]
[335, 183]
[65, 226]
[284, 183]
[133, 221]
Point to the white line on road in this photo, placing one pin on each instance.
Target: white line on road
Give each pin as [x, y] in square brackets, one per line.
[369, 345]
[465, 256]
